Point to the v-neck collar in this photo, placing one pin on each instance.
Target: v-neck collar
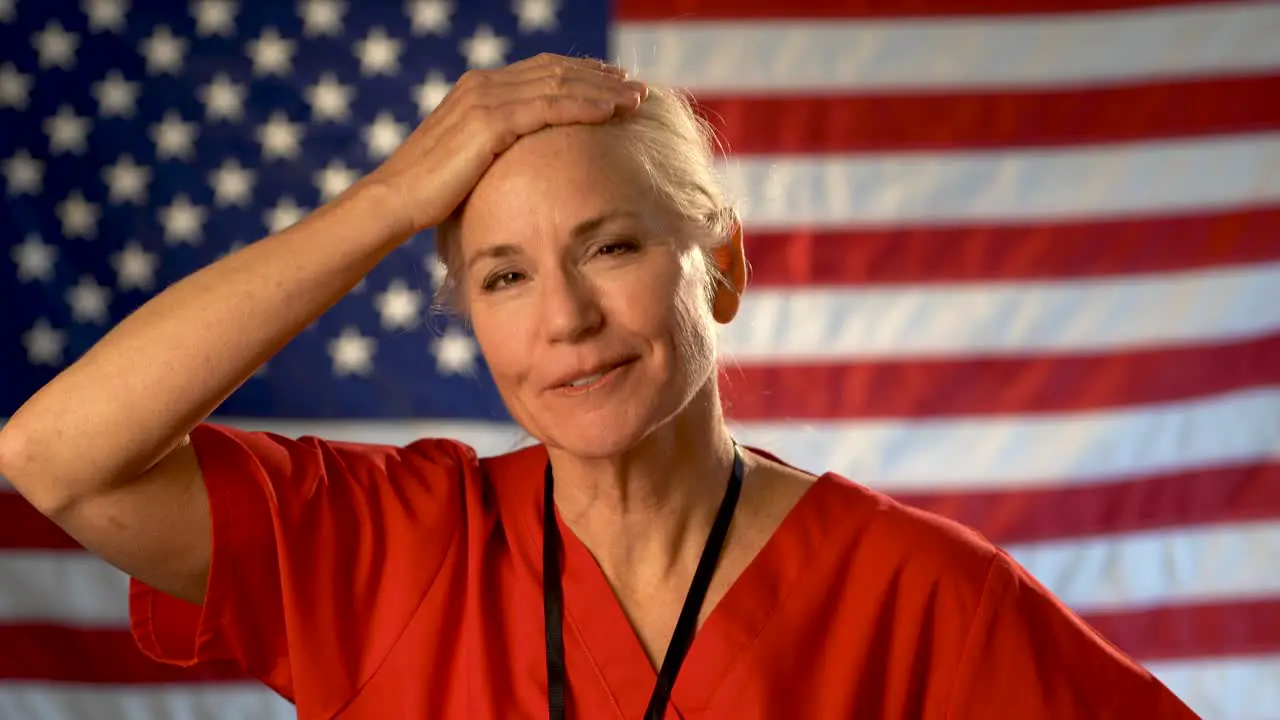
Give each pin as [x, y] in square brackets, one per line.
[731, 628]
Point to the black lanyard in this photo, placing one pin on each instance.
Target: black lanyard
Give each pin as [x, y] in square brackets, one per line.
[553, 598]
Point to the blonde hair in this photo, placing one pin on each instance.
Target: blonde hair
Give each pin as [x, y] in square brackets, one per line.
[677, 148]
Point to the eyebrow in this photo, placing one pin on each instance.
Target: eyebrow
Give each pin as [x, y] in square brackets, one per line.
[581, 230]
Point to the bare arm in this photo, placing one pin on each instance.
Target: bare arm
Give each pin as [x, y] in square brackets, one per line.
[102, 448]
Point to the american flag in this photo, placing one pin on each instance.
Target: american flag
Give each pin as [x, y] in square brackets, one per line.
[1015, 261]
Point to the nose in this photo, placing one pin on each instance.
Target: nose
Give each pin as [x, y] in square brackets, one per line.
[570, 307]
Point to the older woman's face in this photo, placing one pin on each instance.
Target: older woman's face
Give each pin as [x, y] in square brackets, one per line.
[585, 292]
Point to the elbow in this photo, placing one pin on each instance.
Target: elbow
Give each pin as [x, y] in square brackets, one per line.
[17, 468]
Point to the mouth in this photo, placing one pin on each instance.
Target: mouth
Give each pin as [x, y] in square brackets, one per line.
[594, 379]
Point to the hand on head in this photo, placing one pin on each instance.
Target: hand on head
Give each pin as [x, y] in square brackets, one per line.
[484, 114]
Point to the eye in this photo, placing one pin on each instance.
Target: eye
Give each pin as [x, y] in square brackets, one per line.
[620, 246]
[502, 279]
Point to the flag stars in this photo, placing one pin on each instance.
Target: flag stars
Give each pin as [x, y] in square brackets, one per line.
[67, 131]
[352, 353]
[23, 174]
[15, 88]
[384, 135]
[105, 15]
[126, 181]
[455, 352]
[164, 52]
[329, 99]
[8, 10]
[484, 49]
[223, 99]
[90, 302]
[379, 54]
[322, 17]
[333, 179]
[214, 17]
[55, 47]
[283, 214]
[429, 17]
[535, 15]
[399, 306]
[44, 343]
[232, 184]
[135, 267]
[271, 54]
[174, 138]
[431, 92]
[279, 137]
[34, 258]
[183, 221]
[116, 96]
[78, 216]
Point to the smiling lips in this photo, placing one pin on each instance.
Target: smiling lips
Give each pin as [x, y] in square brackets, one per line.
[591, 378]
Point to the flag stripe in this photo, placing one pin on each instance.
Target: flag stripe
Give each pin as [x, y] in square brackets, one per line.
[1242, 688]
[785, 58]
[1200, 631]
[939, 322]
[92, 655]
[687, 10]
[995, 187]
[176, 702]
[1061, 250]
[749, 125]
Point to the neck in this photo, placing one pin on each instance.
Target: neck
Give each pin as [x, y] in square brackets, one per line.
[645, 514]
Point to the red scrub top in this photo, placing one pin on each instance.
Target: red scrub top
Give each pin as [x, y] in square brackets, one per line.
[373, 582]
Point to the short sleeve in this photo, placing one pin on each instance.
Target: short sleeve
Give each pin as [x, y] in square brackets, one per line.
[322, 551]
[1029, 656]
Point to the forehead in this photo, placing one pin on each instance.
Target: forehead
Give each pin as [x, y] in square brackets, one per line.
[553, 180]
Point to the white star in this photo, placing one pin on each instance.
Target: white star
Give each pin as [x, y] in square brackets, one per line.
[164, 51]
[330, 99]
[455, 353]
[322, 17]
[173, 137]
[352, 353]
[279, 137]
[379, 54]
[15, 88]
[116, 96]
[437, 268]
[285, 213]
[431, 92]
[34, 259]
[135, 267]
[67, 131]
[232, 184]
[183, 221]
[223, 99]
[429, 16]
[8, 10]
[333, 179]
[214, 17]
[400, 306]
[126, 181]
[484, 49]
[44, 343]
[55, 46]
[78, 216]
[23, 174]
[89, 301]
[384, 135]
[271, 54]
[105, 14]
[536, 14]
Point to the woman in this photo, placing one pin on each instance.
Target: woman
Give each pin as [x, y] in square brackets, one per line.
[591, 249]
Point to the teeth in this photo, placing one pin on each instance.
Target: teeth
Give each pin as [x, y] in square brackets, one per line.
[586, 380]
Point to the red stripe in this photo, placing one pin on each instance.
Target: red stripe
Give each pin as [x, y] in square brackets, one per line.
[1024, 385]
[635, 10]
[1247, 627]
[64, 654]
[1013, 252]
[979, 119]
[23, 528]
[1240, 493]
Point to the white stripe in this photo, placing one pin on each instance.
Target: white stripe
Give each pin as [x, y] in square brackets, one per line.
[780, 57]
[1137, 571]
[1243, 688]
[778, 192]
[1003, 318]
[68, 701]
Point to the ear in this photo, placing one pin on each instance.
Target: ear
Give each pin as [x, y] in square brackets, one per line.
[730, 259]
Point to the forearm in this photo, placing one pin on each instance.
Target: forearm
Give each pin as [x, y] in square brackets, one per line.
[138, 392]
